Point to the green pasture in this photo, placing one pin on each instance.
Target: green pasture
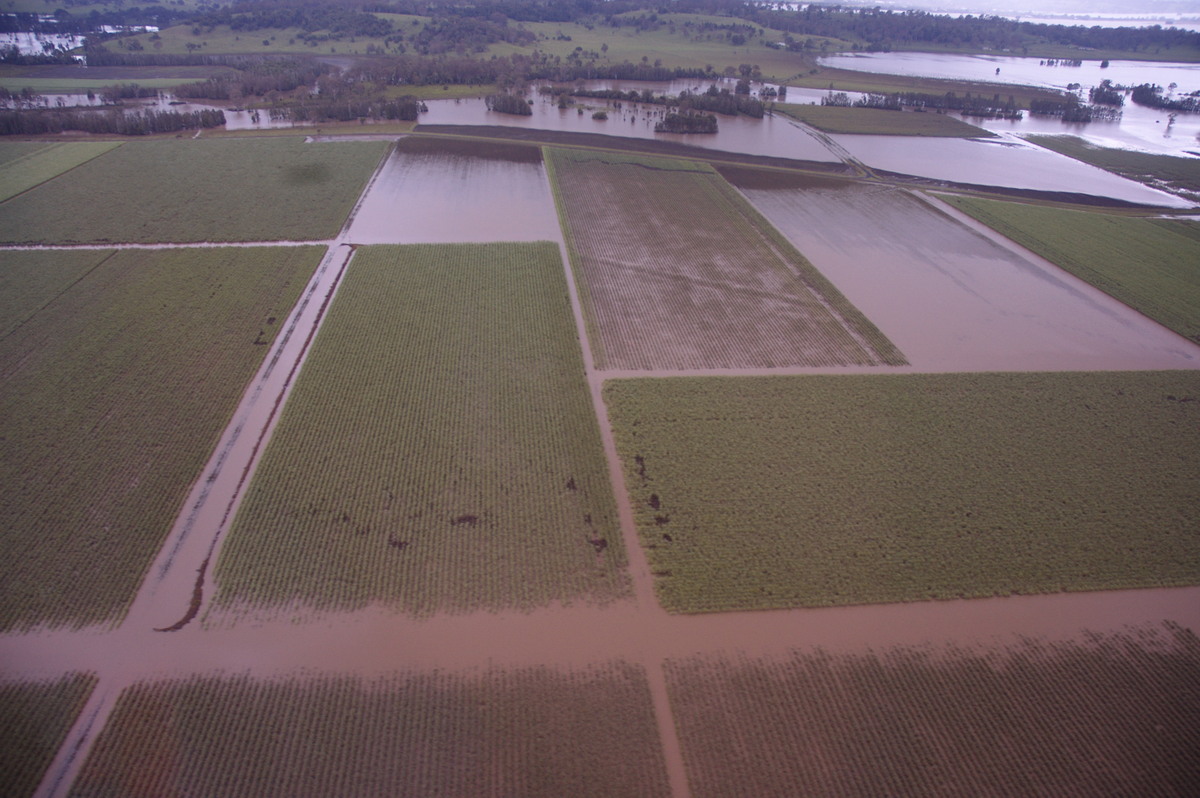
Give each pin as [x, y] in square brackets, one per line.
[1109, 714]
[876, 121]
[1172, 172]
[24, 165]
[120, 370]
[34, 720]
[50, 85]
[243, 189]
[1152, 265]
[528, 732]
[439, 451]
[851, 80]
[754, 493]
[677, 271]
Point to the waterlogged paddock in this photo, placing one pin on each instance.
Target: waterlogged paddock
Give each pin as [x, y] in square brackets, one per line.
[949, 296]
[679, 272]
[1003, 161]
[435, 191]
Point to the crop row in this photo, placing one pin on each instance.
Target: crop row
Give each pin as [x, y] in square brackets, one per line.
[34, 720]
[439, 451]
[1107, 715]
[805, 491]
[1149, 264]
[679, 271]
[182, 190]
[116, 379]
[24, 165]
[533, 732]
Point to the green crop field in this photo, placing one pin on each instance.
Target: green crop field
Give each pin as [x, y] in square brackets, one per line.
[753, 493]
[677, 271]
[1152, 265]
[34, 720]
[831, 79]
[264, 189]
[1174, 173]
[116, 378]
[530, 732]
[24, 165]
[1111, 714]
[876, 121]
[439, 451]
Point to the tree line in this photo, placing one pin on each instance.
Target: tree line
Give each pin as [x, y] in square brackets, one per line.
[112, 121]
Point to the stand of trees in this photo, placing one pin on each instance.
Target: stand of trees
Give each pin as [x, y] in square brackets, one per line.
[994, 107]
[720, 101]
[1152, 96]
[508, 104]
[687, 123]
[13, 123]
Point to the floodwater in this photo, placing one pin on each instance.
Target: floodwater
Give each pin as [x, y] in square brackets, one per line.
[953, 298]
[1139, 128]
[1006, 161]
[773, 136]
[446, 197]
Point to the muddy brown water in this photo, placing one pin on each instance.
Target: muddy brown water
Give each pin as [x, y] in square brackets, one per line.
[437, 196]
[955, 296]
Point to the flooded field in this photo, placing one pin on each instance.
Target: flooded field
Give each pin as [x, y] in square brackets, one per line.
[442, 192]
[953, 298]
[1007, 162]
[775, 136]
[1138, 128]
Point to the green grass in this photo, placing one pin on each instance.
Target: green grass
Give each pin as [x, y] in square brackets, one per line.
[678, 271]
[34, 719]
[34, 165]
[1170, 172]
[852, 80]
[1152, 265]
[117, 378]
[1111, 714]
[83, 85]
[184, 190]
[753, 493]
[529, 732]
[876, 121]
[439, 452]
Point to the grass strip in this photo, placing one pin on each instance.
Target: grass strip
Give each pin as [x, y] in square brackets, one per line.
[1110, 714]
[34, 720]
[1152, 265]
[530, 732]
[113, 392]
[1168, 172]
[755, 493]
[184, 190]
[440, 450]
[879, 122]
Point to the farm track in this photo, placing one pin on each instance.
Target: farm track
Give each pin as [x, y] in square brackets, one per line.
[375, 641]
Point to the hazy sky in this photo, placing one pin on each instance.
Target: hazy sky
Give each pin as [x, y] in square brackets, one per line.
[1139, 8]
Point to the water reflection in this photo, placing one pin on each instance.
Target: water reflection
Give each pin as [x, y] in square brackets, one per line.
[445, 197]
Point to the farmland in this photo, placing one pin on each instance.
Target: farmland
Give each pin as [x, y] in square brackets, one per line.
[1109, 714]
[439, 451]
[754, 493]
[678, 271]
[1149, 264]
[118, 374]
[24, 165]
[529, 732]
[184, 190]
[835, 119]
[34, 717]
